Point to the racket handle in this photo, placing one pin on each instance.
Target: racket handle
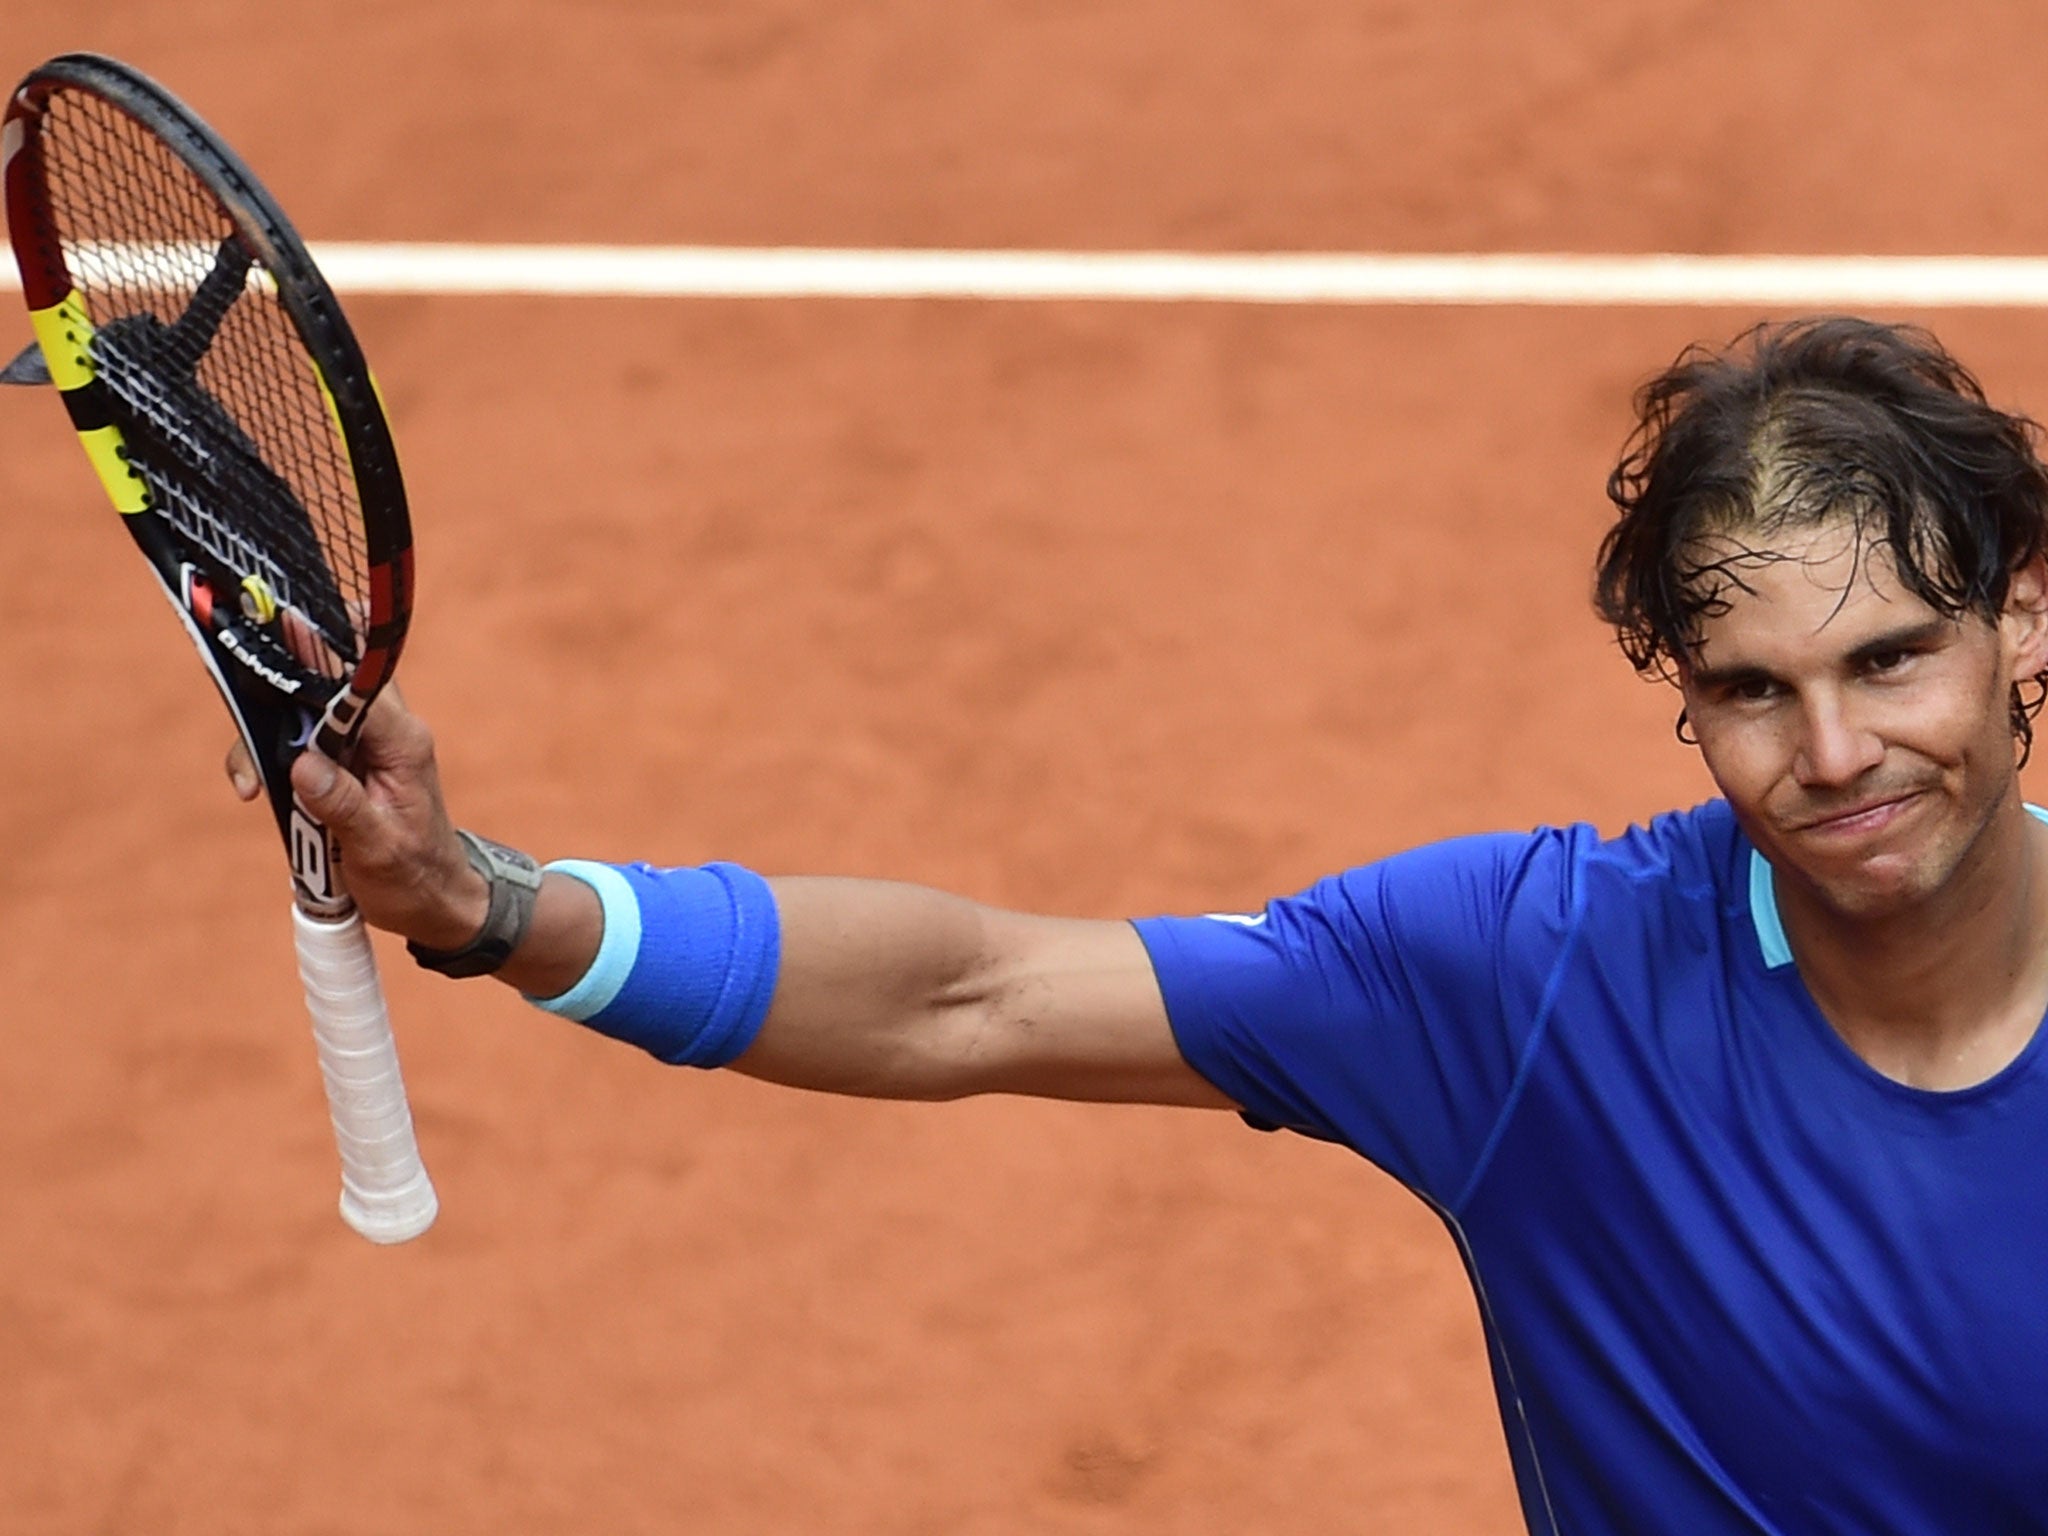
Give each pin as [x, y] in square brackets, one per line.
[385, 1192]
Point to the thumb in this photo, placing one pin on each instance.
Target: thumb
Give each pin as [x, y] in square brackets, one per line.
[335, 797]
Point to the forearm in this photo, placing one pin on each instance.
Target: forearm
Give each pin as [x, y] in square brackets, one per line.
[897, 991]
[893, 991]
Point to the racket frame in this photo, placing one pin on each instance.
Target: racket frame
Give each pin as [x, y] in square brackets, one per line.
[385, 1194]
[330, 346]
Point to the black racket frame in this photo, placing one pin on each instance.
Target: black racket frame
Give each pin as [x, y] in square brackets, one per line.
[280, 699]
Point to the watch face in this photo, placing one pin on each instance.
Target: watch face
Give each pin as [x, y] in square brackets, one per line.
[501, 862]
[514, 879]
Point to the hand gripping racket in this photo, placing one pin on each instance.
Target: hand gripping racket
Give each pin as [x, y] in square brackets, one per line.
[226, 407]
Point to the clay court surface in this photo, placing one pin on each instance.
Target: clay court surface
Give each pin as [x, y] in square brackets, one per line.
[1095, 608]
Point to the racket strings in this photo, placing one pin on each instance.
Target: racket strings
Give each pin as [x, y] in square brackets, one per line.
[234, 430]
[138, 358]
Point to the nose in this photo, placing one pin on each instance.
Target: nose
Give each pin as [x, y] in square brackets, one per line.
[1834, 749]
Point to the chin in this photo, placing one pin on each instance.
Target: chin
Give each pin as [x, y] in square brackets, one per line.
[1868, 899]
[1872, 885]
[1891, 882]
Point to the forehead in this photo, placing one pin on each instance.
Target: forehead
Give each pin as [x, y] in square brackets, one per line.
[1822, 589]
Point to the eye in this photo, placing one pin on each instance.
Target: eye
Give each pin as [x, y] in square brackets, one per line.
[1753, 690]
[1886, 661]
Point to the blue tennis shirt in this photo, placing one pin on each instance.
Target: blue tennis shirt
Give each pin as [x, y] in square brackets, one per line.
[1731, 1278]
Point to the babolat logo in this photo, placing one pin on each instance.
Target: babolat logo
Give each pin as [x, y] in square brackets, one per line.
[238, 648]
[309, 855]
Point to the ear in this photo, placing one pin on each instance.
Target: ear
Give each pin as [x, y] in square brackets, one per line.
[1680, 678]
[2025, 620]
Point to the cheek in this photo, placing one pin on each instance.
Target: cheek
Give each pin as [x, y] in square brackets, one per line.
[1965, 720]
[1744, 761]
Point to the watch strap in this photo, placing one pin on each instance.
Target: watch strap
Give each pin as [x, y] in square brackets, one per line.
[514, 880]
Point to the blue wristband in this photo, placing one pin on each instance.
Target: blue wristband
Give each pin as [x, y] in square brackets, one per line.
[688, 962]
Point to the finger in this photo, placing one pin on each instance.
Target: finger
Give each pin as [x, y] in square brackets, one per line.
[393, 738]
[333, 794]
[387, 709]
[242, 771]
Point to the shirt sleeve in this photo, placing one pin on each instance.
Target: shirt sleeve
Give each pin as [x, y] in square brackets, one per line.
[1388, 1008]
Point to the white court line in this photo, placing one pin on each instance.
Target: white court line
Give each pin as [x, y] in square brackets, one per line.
[1796, 282]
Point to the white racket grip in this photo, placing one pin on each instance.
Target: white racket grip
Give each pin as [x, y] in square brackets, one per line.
[385, 1192]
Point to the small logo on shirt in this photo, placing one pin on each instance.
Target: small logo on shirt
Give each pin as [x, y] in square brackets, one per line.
[1241, 919]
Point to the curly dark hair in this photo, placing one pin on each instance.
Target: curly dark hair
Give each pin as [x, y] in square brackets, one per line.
[1799, 422]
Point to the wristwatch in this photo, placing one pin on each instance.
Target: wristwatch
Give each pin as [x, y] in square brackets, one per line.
[514, 880]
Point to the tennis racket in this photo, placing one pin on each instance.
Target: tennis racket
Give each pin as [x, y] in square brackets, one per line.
[222, 399]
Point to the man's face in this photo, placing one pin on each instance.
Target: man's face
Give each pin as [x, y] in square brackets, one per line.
[1863, 740]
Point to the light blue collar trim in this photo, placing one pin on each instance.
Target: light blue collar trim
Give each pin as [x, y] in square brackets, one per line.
[1763, 906]
[1763, 911]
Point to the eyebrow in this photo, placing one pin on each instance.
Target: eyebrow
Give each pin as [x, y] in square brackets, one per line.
[1907, 637]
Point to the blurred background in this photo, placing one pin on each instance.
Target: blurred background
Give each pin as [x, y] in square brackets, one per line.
[1099, 608]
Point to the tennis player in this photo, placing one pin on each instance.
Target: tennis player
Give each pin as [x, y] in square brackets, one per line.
[1739, 1120]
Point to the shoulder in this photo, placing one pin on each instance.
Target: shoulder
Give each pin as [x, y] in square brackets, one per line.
[1512, 906]
[1690, 851]
[1485, 904]
[1683, 854]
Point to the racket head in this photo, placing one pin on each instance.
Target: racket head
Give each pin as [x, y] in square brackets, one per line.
[225, 404]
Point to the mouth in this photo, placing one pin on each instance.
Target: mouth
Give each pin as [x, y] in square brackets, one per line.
[1862, 819]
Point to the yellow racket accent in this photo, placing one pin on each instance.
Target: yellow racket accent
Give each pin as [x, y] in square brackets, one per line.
[64, 332]
[334, 412]
[109, 454]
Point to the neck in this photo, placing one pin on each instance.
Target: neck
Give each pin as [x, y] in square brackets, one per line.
[1946, 992]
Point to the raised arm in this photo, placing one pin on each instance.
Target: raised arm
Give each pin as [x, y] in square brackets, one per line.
[882, 990]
